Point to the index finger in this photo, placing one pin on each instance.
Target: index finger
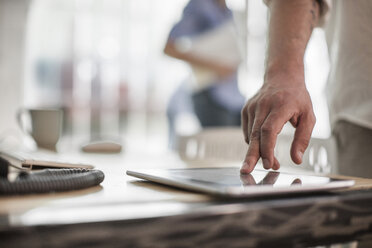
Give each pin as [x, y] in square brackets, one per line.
[253, 154]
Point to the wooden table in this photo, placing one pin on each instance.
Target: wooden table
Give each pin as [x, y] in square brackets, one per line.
[125, 212]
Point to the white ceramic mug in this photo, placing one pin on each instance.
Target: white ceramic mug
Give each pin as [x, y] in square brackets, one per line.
[45, 126]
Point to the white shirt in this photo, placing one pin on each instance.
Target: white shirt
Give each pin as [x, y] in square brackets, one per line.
[349, 38]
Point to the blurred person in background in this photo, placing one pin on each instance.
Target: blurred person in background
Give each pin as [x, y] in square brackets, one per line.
[205, 38]
[284, 97]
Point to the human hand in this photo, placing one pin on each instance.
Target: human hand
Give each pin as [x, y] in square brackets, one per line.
[282, 98]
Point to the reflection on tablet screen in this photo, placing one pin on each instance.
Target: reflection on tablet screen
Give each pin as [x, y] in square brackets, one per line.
[232, 177]
[269, 179]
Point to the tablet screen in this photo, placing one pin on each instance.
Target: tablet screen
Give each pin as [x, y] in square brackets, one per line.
[229, 181]
[232, 177]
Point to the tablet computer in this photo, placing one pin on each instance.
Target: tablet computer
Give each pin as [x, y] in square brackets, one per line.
[229, 181]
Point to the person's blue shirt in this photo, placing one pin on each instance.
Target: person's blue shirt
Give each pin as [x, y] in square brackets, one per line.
[200, 16]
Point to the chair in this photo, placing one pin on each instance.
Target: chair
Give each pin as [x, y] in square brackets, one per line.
[212, 145]
[222, 146]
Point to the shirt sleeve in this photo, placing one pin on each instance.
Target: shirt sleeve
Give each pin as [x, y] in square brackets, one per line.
[324, 9]
[190, 23]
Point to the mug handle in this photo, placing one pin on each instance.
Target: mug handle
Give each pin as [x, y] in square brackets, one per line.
[21, 112]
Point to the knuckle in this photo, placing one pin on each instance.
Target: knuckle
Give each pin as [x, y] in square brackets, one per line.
[264, 103]
[243, 112]
[280, 98]
[244, 109]
[303, 143]
[251, 101]
[267, 129]
[255, 134]
[251, 108]
[313, 118]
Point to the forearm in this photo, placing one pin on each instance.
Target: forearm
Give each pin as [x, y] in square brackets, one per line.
[290, 27]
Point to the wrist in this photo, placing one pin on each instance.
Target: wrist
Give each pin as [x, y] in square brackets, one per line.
[284, 72]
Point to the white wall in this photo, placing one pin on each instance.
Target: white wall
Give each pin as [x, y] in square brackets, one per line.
[13, 15]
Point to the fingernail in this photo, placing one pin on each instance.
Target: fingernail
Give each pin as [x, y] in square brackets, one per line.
[245, 168]
[300, 154]
[266, 163]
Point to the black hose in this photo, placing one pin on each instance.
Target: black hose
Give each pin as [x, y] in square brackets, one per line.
[51, 180]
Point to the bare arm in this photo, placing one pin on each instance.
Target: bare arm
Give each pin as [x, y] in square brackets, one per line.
[220, 69]
[283, 96]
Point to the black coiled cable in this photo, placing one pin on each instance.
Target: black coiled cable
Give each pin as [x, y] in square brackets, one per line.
[51, 180]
